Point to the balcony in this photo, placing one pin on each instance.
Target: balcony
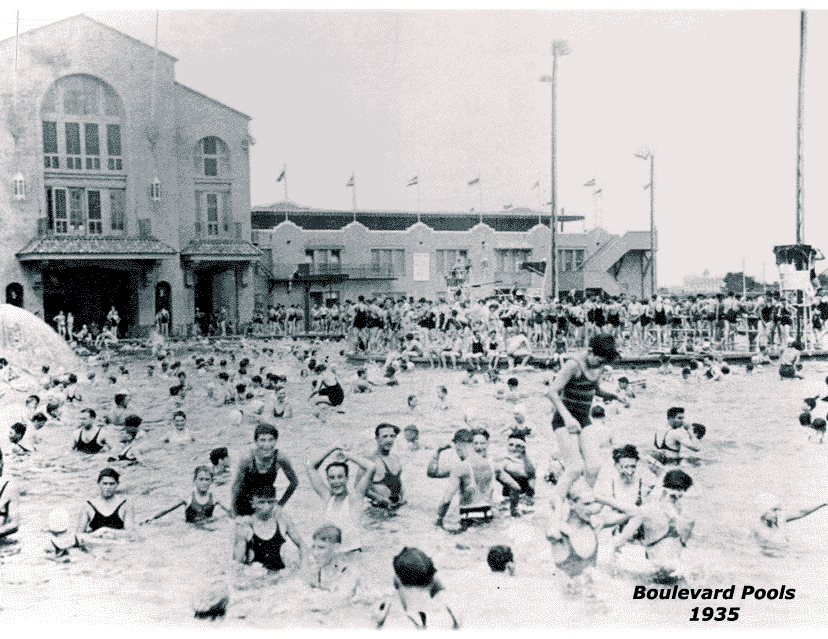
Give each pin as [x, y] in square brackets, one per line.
[284, 272]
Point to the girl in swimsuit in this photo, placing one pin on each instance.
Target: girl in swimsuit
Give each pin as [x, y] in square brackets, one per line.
[121, 515]
[259, 537]
[281, 408]
[200, 504]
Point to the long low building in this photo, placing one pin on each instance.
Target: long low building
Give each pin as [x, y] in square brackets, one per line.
[343, 254]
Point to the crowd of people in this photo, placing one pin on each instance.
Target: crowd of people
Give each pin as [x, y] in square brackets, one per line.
[598, 479]
[681, 323]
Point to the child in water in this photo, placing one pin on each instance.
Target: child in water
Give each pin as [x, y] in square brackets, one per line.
[200, 503]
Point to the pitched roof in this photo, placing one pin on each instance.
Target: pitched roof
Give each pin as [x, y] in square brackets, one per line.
[221, 248]
[98, 23]
[207, 97]
[86, 247]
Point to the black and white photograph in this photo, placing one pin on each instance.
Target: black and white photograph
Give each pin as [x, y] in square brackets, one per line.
[413, 318]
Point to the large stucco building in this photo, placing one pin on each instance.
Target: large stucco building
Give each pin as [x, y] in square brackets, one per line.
[393, 253]
[118, 185]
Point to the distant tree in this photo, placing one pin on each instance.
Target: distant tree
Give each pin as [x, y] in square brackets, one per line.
[733, 282]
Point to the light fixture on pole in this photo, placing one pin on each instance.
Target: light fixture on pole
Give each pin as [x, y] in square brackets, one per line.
[648, 155]
[559, 48]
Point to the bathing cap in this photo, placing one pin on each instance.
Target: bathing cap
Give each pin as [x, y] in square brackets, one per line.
[58, 521]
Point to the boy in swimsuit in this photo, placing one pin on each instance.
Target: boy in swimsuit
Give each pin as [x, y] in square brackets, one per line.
[9, 507]
[518, 466]
[258, 470]
[16, 434]
[788, 361]
[327, 570]
[92, 519]
[94, 444]
[668, 443]
[260, 536]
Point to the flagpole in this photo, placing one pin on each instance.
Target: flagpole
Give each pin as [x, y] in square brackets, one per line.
[480, 194]
[353, 193]
[284, 169]
[418, 199]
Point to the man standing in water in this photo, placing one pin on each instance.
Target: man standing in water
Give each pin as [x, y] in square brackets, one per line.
[258, 469]
[386, 489]
[9, 506]
[668, 443]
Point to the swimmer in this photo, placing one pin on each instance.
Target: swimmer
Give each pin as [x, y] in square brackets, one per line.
[333, 489]
[200, 503]
[419, 602]
[665, 528]
[9, 506]
[413, 401]
[85, 440]
[442, 395]
[624, 483]
[412, 437]
[327, 570]
[512, 394]
[571, 394]
[220, 465]
[385, 489]
[574, 541]
[180, 434]
[818, 426]
[771, 531]
[501, 560]
[470, 377]
[257, 471]
[329, 388]
[16, 434]
[788, 361]
[668, 443]
[362, 384]
[92, 519]
[61, 540]
[259, 537]
[522, 471]
[128, 438]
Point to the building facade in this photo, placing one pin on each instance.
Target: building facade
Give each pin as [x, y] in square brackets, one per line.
[118, 185]
[396, 254]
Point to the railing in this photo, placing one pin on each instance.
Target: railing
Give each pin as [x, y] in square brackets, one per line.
[283, 271]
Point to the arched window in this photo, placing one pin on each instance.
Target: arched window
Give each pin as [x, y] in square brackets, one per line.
[14, 294]
[211, 158]
[82, 143]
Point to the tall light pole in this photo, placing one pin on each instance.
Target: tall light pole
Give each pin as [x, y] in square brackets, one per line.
[648, 155]
[559, 48]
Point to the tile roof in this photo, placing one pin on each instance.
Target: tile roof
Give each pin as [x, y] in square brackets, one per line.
[76, 246]
[221, 248]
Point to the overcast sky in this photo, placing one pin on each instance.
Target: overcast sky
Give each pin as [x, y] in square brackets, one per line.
[450, 95]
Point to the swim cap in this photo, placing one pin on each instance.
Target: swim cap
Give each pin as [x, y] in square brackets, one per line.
[58, 521]
[766, 502]
[677, 480]
[413, 567]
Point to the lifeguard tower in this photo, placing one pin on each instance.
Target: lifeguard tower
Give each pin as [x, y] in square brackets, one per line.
[796, 272]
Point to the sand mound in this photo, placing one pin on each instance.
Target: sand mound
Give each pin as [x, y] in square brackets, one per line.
[28, 343]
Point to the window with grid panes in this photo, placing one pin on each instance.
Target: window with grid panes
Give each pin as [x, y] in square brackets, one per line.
[212, 158]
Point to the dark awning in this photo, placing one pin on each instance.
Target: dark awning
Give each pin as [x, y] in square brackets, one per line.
[62, 247]
[221, 250]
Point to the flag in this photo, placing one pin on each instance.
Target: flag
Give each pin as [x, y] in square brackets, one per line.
[413, 181]
[598, 192]
[474, 181]
[281, 175]
[471, 210]
[537, 184]
[506, 207]
[538, 268]
[548, 204]
[350, 181]
[590, 183]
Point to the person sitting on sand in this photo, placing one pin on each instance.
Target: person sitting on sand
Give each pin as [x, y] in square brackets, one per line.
[87, 439]
[121, 515]
[259, 537]
[201, 503]
[771, 530]
[9, 506]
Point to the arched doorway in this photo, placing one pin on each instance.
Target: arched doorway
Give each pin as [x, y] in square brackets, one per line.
[14, 294]
[163, 300]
